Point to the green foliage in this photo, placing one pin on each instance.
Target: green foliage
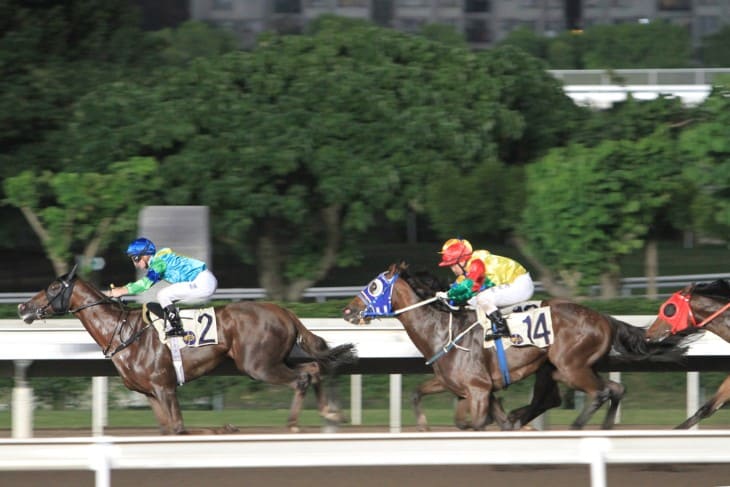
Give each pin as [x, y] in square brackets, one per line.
[622, 46]
[83, 211]
[50, 56]
[443, 33]
[705, 153]
[713, 51]
[528, 41]
[634, 45]
[631, 120]
[606, 198]
[191, 40]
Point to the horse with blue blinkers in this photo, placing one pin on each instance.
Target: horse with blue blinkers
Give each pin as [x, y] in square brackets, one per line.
[581, 337]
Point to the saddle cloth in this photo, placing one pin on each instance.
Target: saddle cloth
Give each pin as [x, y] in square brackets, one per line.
[530, 325]
[199, 324]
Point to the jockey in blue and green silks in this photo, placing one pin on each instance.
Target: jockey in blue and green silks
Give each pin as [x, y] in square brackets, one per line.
[190, 279]
[485, 280]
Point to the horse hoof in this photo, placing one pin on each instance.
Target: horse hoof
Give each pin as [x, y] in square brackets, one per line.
[229, 428]
[295, 429]
[333, 417]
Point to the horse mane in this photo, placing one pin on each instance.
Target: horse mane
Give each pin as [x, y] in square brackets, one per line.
[425, 285]
[719, 289]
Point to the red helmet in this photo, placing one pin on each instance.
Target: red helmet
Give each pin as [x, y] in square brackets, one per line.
[454, 251]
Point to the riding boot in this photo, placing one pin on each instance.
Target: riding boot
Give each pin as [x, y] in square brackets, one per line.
[173, 317]
[499, 326]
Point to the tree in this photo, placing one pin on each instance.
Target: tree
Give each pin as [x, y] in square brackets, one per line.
[653, 45]
[587, 207]
[705, 153]
[528, 41]
[531, 114]
[51, 54]
[304, 143]
[82, 212]
[713, 51]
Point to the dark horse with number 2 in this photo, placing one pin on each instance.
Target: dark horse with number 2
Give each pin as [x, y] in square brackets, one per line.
[696, 308]
[257, 337]
[581, 337]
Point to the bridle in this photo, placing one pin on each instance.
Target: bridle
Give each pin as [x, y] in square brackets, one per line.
[677, 311]
[60, 303]
[378, 295]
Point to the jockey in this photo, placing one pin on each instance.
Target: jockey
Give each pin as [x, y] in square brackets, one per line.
[189, 279]
[485, 280]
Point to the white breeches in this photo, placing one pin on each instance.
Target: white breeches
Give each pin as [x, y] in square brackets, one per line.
[495, 297]
[199, 289]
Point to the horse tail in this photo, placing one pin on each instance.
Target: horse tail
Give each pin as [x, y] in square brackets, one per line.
[329, 359]
[629, 342]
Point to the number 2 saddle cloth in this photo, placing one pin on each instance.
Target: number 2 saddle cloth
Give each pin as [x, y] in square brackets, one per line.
[530, 325]
[199, 324]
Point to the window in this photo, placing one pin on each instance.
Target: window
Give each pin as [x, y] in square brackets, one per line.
[707, 25]
[287, 6]
[410, 24]
[474, 6]
[382, 12]
[223, 5]
[675, 4]
[477, 31]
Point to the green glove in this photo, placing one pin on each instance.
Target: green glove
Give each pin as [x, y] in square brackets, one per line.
[461, 292]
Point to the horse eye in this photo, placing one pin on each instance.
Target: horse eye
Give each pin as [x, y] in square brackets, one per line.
[375, 288]
[669, 310]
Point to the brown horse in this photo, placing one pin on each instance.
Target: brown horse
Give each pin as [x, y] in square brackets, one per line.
[694, 309]
[581, 337]
[257, 337]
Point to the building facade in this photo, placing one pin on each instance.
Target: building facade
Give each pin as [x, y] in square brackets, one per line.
[483, 22]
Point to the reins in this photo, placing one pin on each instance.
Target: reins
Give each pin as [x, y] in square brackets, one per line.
[713, 315]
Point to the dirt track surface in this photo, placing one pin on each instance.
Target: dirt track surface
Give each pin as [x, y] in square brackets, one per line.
[691, 475]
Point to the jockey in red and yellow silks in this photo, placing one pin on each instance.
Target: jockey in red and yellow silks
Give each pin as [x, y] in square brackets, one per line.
[485, 280]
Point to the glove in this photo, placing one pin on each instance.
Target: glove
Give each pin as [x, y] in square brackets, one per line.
[461, 292]
[442, 295]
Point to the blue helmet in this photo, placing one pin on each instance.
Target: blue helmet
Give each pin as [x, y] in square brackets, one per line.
[141, 246]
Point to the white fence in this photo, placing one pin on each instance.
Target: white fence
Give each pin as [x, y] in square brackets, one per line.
[593, 449]
[63, 347]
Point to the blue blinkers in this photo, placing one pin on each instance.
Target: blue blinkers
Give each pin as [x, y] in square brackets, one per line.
[377, 297]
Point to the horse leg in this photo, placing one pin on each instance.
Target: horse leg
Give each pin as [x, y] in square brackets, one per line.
[545, 395]
[596, 389]
[721, 396]
[616, 393]
[328, 408]
[479, 406]
[495, 412]
[461, 411]
[430, 386]
[167, 411]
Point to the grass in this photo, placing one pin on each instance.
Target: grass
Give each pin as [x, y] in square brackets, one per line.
[143, 418]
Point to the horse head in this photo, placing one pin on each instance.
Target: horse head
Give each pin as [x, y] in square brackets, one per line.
[690, 309]
[54, 300]
[376, 299]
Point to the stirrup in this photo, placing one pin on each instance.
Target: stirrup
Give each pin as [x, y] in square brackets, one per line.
[495, 336]
[175, 332]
